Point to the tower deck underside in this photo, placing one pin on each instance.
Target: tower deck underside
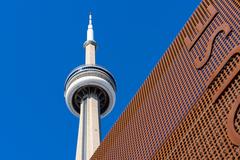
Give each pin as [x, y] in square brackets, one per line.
[85, 91]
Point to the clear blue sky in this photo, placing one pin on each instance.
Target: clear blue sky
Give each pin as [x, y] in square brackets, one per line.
[41, 42]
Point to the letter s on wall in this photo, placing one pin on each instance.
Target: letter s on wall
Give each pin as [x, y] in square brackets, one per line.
[200, 63]
[233, 135]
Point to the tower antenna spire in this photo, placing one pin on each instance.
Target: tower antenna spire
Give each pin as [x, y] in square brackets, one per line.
[90, 17]
[90, 32]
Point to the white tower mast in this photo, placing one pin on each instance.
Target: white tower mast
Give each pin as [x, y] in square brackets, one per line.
[90, 93]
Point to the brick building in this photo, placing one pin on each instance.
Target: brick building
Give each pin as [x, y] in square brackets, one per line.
[188, 107]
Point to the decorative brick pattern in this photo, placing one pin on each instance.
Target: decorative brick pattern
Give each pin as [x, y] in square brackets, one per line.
[182, 109]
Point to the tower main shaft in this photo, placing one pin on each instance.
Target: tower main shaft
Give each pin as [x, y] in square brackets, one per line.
[89, 131]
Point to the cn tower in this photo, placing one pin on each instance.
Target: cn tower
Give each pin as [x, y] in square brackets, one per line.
[89, 94]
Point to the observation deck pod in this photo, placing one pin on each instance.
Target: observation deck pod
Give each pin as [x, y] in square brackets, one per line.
[88, 80]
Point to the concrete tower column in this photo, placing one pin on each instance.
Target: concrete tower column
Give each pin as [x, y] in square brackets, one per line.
[93, 138]
[89, 129]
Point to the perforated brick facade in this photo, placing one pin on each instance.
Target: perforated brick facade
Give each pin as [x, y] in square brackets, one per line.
[189, 106]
